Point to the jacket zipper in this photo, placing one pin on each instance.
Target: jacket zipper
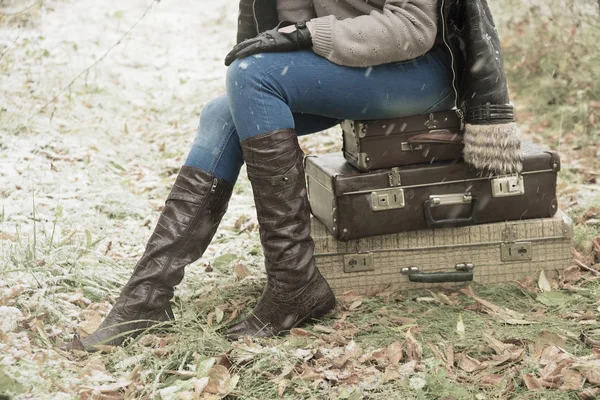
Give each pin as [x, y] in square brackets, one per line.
[255, 18]
[458, 110]
[214, 185]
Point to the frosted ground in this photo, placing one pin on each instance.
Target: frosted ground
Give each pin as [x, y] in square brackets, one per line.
[83, 178]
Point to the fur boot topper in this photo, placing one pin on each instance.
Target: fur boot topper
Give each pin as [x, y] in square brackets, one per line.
[495, 148]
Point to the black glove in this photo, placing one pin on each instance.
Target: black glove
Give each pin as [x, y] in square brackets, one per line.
[272, 41]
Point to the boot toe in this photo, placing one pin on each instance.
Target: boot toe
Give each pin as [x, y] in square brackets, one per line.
[248, 327]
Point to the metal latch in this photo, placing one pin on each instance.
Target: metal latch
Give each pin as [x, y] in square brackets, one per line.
[511, 250]
[507, 186]
[519, 251]
[409, 270]
[431, 123]
[411, 147]
[450, 199]
[388, 199]
[465, 267]
[394, 177]
[360, 262]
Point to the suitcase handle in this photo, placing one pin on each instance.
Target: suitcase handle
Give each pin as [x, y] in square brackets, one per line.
[439, 136]
[451, 222]
[463, 273]
[441, 277]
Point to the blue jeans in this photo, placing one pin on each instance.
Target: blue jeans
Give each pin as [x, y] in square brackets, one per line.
[302, 90]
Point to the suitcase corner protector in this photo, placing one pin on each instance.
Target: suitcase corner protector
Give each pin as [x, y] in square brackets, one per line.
[363, 161]
[567, 226]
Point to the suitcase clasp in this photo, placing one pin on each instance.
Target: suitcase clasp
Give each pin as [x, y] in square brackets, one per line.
[410, 147]
[507, 186]
[360, 262]
[511, 249]
[388, 199]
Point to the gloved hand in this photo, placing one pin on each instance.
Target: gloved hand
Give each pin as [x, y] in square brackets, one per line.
[272, 41]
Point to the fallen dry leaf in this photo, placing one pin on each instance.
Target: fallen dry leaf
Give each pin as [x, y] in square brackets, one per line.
[401, 371]
[590, 369]
[10, 294]
[241, 271]
[492, 380]
[403, 320]
[589, 394]
[531, 382]
[572, 380]
[589, 341]
[447, 357]
[507, 316]
[93, 319]
[282, 386]
[414, 350]
[111, 388]
[551, 356]
[545, 339]
[309, 374]
[460, 327]
[219, 380]
[8, 236]
[394, 353]
[200, 384]
[449, 353]
[349, 297]
[586, 260]
[299, 332]
[544, 283]
[323, 329]
[596, 247]
[469, 364]
[572, 274]
[355, 305]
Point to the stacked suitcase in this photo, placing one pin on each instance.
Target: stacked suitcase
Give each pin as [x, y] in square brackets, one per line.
[399, 209]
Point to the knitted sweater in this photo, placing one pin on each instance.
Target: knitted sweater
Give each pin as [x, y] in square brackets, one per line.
[363, 33]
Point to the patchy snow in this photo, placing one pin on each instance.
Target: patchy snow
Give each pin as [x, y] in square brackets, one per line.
[9, 318]
[82, 180]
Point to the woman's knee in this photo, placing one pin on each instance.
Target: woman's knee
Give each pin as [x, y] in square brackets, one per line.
[216, 109]
[216, 123]
[250, 72]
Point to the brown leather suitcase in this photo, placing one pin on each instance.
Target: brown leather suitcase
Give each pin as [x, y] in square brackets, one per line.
[387, 143]
[355, 204]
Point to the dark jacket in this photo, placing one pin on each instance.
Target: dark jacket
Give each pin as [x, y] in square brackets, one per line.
[467, 29]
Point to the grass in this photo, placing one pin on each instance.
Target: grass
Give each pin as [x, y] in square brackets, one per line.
[552, 56]
[65, 254]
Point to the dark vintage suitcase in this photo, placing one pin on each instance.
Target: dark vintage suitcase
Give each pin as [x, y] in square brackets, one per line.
[355, 204]
[387, 143]
[486, 254]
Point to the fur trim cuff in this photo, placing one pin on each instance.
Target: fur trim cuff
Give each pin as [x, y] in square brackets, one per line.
[496, 148]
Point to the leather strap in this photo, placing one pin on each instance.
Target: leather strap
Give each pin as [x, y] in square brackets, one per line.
[437, 137]
[490, 114]
[304, 38]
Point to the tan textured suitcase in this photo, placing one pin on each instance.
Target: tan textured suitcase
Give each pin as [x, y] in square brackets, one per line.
[488, 253]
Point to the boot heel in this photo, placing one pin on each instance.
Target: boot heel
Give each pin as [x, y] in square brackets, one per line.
[324, 308]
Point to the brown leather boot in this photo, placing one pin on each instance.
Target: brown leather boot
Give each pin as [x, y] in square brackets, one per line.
[295, 290]
[185, 228]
